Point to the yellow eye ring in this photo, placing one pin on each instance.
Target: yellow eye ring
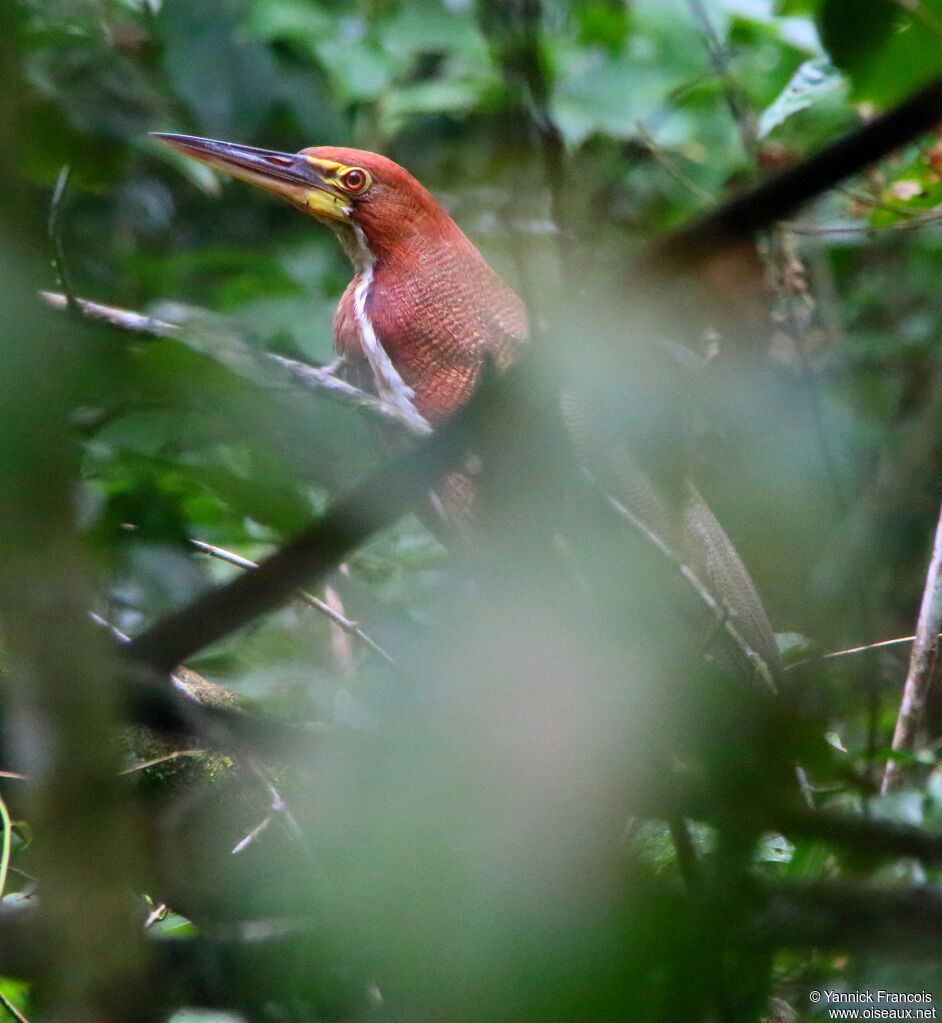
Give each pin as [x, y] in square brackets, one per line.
[354, 179]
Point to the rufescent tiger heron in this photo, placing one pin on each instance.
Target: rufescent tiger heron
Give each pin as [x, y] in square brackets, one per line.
[423, 313]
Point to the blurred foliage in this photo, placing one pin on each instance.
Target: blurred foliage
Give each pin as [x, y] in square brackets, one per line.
[814, 433]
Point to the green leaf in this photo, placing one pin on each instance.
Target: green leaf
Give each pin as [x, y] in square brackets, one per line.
[834, 740]
[603, 24]
[813, 80]
[230, 82]
[854, 40]
[797, 7]
[609, 96]
[288, 19]
[16, 992]
[886, 51]
[433, 28]
[436, 96]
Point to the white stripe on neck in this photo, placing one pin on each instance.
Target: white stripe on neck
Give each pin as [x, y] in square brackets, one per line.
[389, 383]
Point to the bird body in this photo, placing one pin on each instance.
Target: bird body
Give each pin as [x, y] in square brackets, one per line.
[423, 313]
[431, 307]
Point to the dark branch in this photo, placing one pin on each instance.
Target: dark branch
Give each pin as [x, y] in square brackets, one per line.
[378, 501]
[904, 922]
[514, 34]
[863, 835]
[774, 200]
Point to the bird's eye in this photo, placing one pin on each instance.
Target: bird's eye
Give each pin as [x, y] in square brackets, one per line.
[354, 180]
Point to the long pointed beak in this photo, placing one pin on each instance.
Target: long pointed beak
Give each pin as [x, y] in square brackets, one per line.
[291, 175]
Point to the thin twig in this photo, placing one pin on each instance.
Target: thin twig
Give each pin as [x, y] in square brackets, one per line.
[669, 166]
[279, 810]
[12, 1009]
[342, 622]
[279, 805]
[6, 845]
[897, 640]
[322, 380]
[157, 913]
[736, 100]
[126, 319]
[863, 199]
[54, 226]
[243, 843]
[921, 662]
[915, 223]
[175, 755]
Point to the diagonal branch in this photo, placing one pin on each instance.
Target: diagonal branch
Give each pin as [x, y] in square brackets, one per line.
[378, 501]
[265, 366]
[922, 661]
[778, 197]
[341, 621]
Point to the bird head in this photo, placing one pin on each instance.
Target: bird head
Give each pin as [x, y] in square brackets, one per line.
[375, 206]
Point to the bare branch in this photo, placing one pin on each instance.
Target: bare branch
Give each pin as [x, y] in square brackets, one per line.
[136, 323]
[319, 379]
[736, 100]
[12, 1009]
[60, 264]
[6, 844]
[914, 223]
[341, 621]
[895, 641]
[896, 922]
[921, 662]
[859, 834]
